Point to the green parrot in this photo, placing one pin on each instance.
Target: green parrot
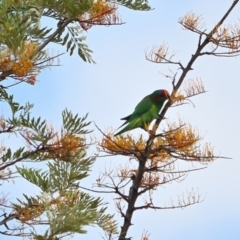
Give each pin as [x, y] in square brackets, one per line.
[145, 111]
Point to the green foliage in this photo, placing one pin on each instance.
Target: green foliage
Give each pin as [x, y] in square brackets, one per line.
[73, 41]
[141, 5]
[35, 176]
[74, 124]
[83, 50]
[59, 203]
[22, 122]
[21, 21]
[84, 213]
[18, 23]
[14, 106]
[63, 180]
[68, 213]
[68, 9]
[16, 156]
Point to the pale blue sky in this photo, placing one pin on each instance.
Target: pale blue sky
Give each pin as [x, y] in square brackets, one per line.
[111, 89]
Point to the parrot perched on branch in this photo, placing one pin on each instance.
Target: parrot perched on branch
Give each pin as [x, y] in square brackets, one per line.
[146, 111]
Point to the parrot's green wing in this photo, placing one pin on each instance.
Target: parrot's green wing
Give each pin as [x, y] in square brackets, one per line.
[135, 123]
[140, 117]
[139, 110]
[142, 108]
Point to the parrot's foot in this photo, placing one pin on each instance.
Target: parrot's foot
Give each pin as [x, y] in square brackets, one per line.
[150, 132]
[145, 127]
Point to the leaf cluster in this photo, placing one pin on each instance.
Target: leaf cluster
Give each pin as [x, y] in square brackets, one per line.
[20, 22]
[59, 204]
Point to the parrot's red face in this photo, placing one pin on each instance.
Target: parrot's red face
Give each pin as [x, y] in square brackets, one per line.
[165, 94]
[161, 94]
